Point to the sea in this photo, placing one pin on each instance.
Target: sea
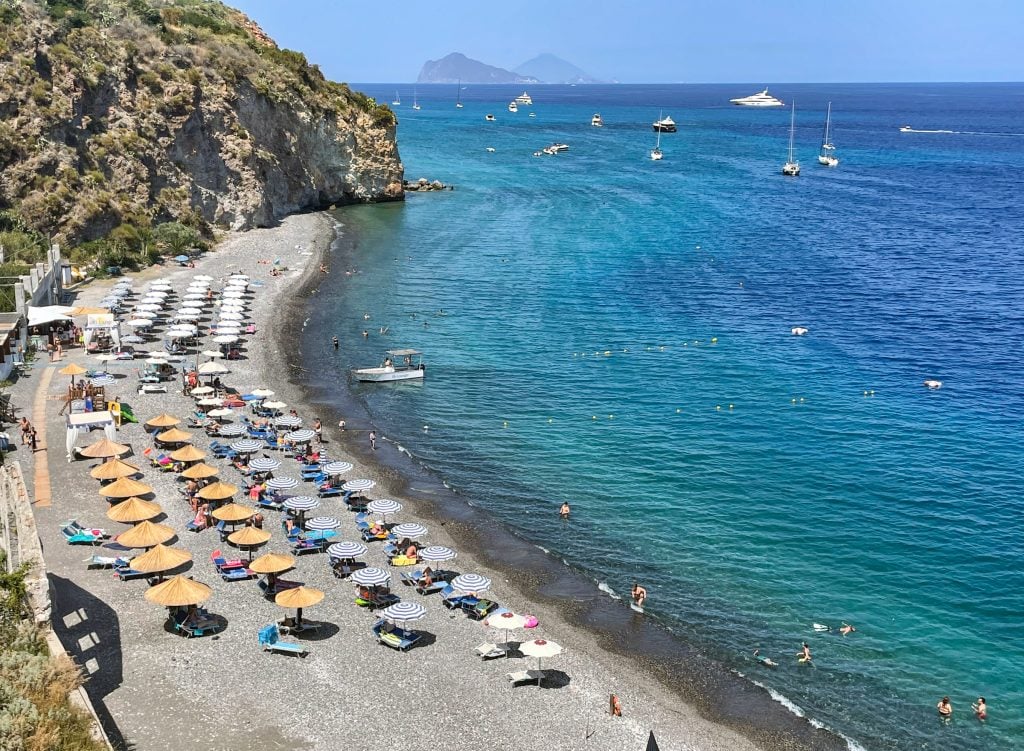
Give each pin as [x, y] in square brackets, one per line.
[616, 332]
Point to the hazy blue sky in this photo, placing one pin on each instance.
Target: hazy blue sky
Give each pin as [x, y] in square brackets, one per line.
[658, 41]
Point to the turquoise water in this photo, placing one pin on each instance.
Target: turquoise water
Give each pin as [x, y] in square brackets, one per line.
[616, 333]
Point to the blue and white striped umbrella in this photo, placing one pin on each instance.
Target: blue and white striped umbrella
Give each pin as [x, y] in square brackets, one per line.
[288, 421]
[404, 611]
[102, 381]
[371, 576]
[384, 506]
[300, 436]
[282, 483]
[247, 446]
[337, 468]
[265, 464]
[358, 486]
[322, 522]
[471, 583]
[409, 529]
[301, 503]
[230, 431]
[346, 550]
[437, 553]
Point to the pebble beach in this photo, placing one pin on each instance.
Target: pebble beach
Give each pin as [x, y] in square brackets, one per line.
[156, 690]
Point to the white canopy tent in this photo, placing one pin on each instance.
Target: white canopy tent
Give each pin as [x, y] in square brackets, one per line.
[102, 322]
[86, 421]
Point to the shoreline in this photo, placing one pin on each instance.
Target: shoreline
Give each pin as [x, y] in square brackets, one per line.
[559, 593]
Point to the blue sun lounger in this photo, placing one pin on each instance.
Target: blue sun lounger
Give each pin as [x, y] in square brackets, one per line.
[270, 640]
[394, 637]
[75, 534]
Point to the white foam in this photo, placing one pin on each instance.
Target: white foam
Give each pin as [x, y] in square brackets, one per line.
[608, 590]
[851, 744]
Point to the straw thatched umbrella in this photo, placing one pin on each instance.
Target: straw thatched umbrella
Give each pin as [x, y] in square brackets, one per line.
[299, 598]
[145, 535]
[218, 491]
[163, 421]
[233, 512]
[179, 592]
[174, 435]
[72, 369]
[134, 510]
[104, 448]
[125, 487]
[272, 564]
[113, 469]
[160, 558]
[200, 472]
[188, 454]
[249, 538]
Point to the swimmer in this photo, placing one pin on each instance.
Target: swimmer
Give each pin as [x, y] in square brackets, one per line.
[564, 510]
[639, 594]
[366, 334]
[335, 342]
[846, 628]
[323, 269]
[768, 662]
[366, 316]
[980, 708]
[804, 655]
[945, 708]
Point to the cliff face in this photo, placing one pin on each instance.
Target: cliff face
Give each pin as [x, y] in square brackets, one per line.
[128, 111]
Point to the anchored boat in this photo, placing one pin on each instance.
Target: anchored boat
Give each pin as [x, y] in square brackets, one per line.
[398, 365]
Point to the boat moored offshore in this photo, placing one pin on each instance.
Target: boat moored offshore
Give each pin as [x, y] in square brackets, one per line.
[760, 99]
[410, 366]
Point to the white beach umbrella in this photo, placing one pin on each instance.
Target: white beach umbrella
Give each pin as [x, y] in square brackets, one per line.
[158, 294]
[283, 483]
[540, 648]
[132, 339]
[156, 361]
[212, 353]
[230, 315]
[412, 530]
[337, 468]
[212, 368]
[203, 278]
[384, 506]
[140, 323]
[191, 311]
[105, 357]
[471, 582]
[274, 405]
[149, 307]
[225, 338]
[228, 330]
[371, 577]
[247, 446]
[182, 316]
[183, 329]
[346, 550]
[209, 401]
[222, 412]
[358, 486]
[262, 393]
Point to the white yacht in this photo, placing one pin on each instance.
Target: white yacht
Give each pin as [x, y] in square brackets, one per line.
[415, 101]
[512, 107]
[490, 118]
[411, 366]
[596, 120]
[524, 98]
[664, 125]
[761, 99]
[792, 167]
[827, 155]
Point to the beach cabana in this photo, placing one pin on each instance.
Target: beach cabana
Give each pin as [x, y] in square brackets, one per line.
[86, 421]
[125, 487]
[133, 510]
[145, 535]
[113, 469]
[99, 326]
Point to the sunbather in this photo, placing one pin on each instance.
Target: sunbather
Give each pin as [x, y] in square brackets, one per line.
[428, 577]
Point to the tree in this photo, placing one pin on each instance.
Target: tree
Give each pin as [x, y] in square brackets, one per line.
[175, 237]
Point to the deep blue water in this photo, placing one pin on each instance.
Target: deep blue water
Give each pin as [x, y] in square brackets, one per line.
[617, 334]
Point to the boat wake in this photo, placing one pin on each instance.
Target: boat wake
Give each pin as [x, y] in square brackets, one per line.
[908, 129]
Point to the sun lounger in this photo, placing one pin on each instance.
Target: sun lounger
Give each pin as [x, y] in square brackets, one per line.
[124, 573]
[301, 547]
[204, 624]
[270, 640]
[526, 676]
[331, 493]
[223, 531]
[344, 570]
[377, 601]
[236, 574]
[429, 589]
[223, 564]
[270, 503]
[82, 537]
[152, 388]
[394, 637]
[489, 650]
[411, 578]
[289, 626]
[105, 561]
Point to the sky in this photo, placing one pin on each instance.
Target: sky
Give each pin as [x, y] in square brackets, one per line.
[660, 41]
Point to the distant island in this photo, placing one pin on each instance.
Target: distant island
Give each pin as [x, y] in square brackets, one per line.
[546, 68]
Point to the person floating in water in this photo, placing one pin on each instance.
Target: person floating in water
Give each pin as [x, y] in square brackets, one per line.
[980, 708]
[639, 594]
[945, 708]
[335, 342]
[804, 655]
[323, 269]
[846, 628]
[564, 510]
[768, 662]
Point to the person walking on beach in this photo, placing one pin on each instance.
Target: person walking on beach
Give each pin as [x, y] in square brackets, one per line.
[318, 428]
[614, 706]
[804, 655]
[639, 594]
[980, 708]
[341, 424]
[564, 510]
[945, 708]
[373, 440]
[335, 342]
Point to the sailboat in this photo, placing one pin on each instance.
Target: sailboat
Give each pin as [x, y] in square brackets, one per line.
[656, 151]
[458, 96]
[397, 101]
[827, 156]
[415, 104]
[792, 167]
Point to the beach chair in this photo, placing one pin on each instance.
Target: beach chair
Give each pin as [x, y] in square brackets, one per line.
[377, 600]
[204, 625]
[331, 492]
[489, 650]
[394, 637]
[77, 535]
[526, 676]
[434, 586]
[270, 503]
[480, 609]
[301, 546]
[237, 574]
[270, 640]
[288, 625]
[402, 560]
[223, 531]
[344, 570]
[451, 600]
[411, 578]
[124, 573]
[223, 564]
[105, 561]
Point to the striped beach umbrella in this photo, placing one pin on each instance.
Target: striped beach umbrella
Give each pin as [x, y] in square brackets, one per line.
[358, 486]
[281, 483]
[337, 468]
[301, 503]
[104, 380]
[264, 464]
[371, 577]
[232, 431]
[409, 529]
[471, 583]
[346, 550]
[262, 393]
[300, 436]
[322, 523]
[288, 421]
[384, 506]
[247, 446]
[404, 611]
[437, 553]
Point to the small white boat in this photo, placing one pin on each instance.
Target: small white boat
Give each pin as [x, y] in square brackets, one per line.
[524, 98]
[596, 120]
[490, 118]
[656, 154]
[415, 103]
[760, 99]
[410, 367]
[556, 147]
[798, 331]
[827, 156]
[513, 107]
[664, 125]
[533, 114]
[397, 100]
[931, 383]
[792, 167]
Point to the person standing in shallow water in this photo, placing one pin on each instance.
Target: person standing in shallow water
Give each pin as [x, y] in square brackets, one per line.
[564, 510]
[335, 342]
[945, 709]
[373, 440]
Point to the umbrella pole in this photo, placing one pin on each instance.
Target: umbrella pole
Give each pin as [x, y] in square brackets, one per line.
[298, 618]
